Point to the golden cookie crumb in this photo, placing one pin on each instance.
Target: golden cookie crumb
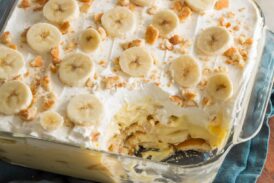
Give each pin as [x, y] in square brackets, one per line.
[166, 45]
[152, 10]
[181, 10]
[70, 46]
[97, 18]
[48, 101]
[230, 52]
[41, 2]
[68, 123]
[24, 35]
[206, 101]
[249, 41]
[234, 57]
[34, 86]
[177, 99]
[53, 68]
[152, 34]
[45, 83]
[244, 54]
[64, 27]
[95, 136]
[103, 63]
[202, 85]
[116, 66]
[132, 7]
[84, 8]
[236, 28]
[37, 62]
[55, 55]
[24, 4]
[221, 4]
[176, 39]
[133, 43]
[184, 13]
[5, 38]
[102, 33]
[177, 6]
[188, 95]
[123, 2]
[85, 1]
[89, 83]
[222, 21]
[28, 114]
[112, 82]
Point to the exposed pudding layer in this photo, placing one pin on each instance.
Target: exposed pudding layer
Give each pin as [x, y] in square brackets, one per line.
[122, 76]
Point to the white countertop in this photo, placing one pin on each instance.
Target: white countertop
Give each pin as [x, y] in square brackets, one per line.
[268, 9]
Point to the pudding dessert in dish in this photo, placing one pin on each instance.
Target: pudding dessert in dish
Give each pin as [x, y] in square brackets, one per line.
[134, 77]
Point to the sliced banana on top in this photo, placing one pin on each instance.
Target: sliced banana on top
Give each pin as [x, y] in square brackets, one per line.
[165, 21]
[119, 21]
[220, 87]
[201, 5]
[143, 2]
[42, 37]
[11, 62]
[185, 71]
[76, 69]
[136, 61]
[59, 11]
[214, 41]
[14, 97]
[85, 109]
[90, 40]
[51, 120]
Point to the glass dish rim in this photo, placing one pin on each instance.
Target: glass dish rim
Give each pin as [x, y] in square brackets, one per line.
[229, 144]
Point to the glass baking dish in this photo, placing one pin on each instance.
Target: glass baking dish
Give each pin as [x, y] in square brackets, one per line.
[187, 166]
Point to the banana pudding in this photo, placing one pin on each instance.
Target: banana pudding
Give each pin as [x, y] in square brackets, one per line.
[135, 77]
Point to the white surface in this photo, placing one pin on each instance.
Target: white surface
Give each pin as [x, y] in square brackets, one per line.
[268, 9]
[114, 99]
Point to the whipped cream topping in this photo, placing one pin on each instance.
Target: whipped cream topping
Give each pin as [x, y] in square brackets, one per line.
[241, 14]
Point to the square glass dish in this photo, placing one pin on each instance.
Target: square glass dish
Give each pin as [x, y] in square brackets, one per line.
[188, 166]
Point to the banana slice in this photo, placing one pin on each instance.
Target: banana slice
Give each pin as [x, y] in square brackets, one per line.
[214, 41]
[76, 69]
[90, 40]
[174, 138]
[143, 2]
[165, 21]
[220, 87]
[51, 120]
[42, 37]
[185, 71]
[59, 11]
[14, 97]
[136, 61]
[85, 109]
[11, 62]
[201, 5]
[119, 21]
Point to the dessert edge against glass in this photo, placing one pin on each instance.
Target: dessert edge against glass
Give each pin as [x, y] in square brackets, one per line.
[142, 78]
